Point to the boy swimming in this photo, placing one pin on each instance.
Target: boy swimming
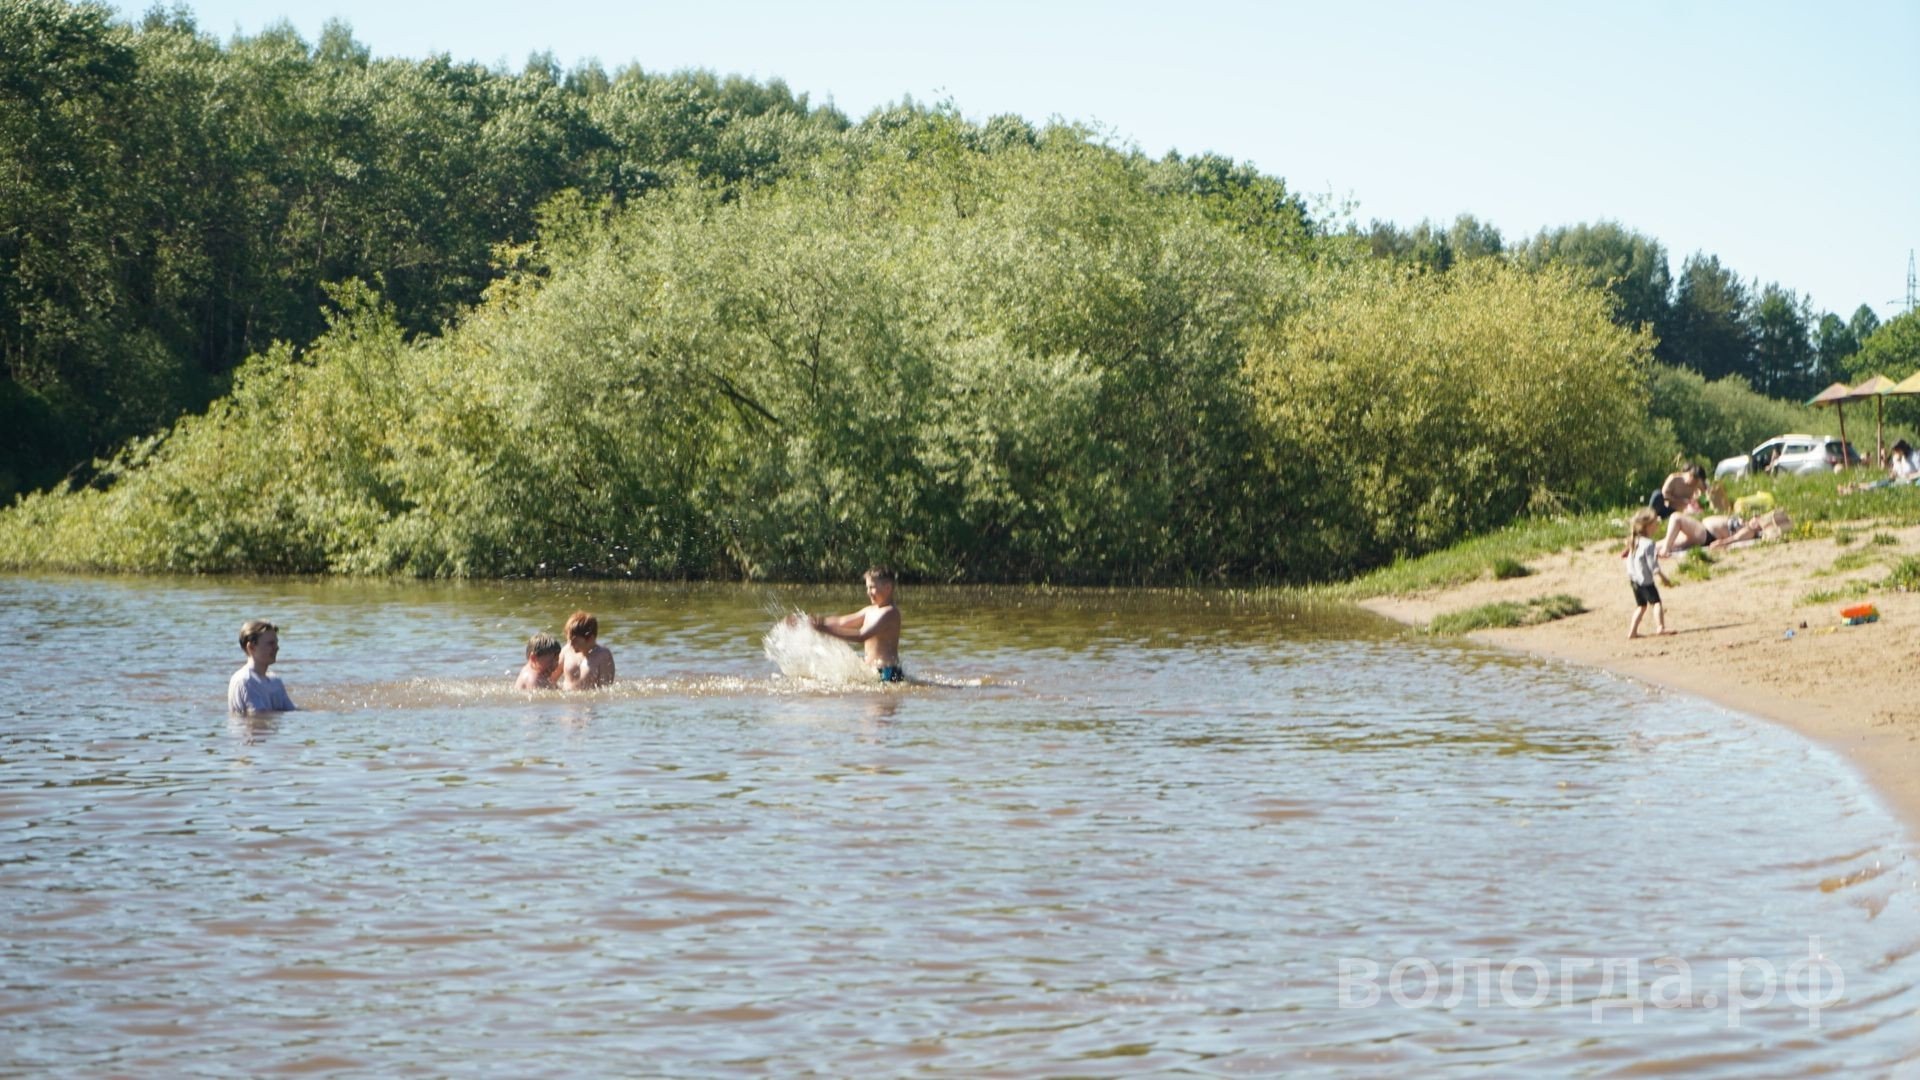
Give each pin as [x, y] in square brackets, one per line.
[543, 664]
[252, 690]
[876, 626]
[584, 662]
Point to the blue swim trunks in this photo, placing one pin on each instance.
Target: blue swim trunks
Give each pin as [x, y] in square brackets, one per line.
[892, 673]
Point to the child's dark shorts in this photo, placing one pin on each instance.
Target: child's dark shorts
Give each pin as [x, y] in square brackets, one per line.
[1646, 594]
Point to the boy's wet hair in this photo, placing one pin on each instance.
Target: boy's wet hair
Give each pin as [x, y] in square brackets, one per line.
[251, 630]
[542, 644]
[878, 574]
[583, 622]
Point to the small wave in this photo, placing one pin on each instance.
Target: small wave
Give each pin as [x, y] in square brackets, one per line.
[801, 652]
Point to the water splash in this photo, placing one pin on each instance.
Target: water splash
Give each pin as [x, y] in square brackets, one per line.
[801, 652]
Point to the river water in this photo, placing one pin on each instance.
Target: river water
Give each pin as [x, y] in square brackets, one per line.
[1101, 833]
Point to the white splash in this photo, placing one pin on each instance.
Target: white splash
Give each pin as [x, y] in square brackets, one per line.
[801, 652]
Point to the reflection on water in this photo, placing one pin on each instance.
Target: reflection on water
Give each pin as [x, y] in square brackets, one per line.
[1106, 833]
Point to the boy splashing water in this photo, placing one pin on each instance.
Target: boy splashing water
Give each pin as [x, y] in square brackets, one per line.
[876, 627]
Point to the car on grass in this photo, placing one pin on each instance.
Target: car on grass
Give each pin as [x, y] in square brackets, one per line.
[1794, 454]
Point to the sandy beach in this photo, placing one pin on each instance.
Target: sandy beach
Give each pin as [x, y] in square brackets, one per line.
[1850, 687]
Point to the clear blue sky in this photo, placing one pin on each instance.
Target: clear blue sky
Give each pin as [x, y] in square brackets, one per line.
[1782, 137]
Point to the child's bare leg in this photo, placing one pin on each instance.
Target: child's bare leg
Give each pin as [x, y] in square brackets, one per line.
[1660, 619]
[1633, 628]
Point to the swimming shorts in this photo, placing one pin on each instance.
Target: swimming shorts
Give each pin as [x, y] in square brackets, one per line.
[1646, 594]
[891, 673]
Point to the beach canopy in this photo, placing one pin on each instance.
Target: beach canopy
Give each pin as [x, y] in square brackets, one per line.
[1908, 385]
[1837, 396]
[1876, 388]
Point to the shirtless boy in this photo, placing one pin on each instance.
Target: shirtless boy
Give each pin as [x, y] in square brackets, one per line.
[252, 690]
[876, 626]
[542, 670]
[584, 662]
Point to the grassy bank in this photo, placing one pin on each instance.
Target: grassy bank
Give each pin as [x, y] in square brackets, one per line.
[1814, 502]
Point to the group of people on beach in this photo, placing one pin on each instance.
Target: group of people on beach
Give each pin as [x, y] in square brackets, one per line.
[1670, 523]
[582, 662]
[1677, 503]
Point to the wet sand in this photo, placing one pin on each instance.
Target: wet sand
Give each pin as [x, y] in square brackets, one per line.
[1850, 687]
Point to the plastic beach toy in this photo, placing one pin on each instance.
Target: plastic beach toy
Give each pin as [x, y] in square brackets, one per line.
[1860, 613]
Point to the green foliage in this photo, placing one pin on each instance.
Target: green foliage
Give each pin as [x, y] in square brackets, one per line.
[1723, 418]
[1905, 575]
[681, 325]
[1630, 267]
[1783, 360]
[1507, 567]
[1400, 413]
[1696, 564]
[1852, 590]
[173, 204]
[1507, 613]
[1525, 540]
[1815, 501]
[1883, 539]
[1853, 560]
[1711, 330]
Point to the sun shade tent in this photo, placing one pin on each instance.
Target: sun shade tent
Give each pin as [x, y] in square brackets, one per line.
[1875, 388]
[1837, 396]
[1908, 385]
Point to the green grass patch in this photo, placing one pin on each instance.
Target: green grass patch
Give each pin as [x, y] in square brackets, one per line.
[1507, 567]
[1527, 540]
[1843, 536]
[1852, 590]
[1815, 500]
[1881, 539]
[1853, 560]
[1696, 564]
[1507, 613]
[1905, 575]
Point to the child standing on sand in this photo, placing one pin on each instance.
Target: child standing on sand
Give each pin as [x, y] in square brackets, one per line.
[1643, 567]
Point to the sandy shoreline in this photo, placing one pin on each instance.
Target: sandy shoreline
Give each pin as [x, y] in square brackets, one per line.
[1852, 688]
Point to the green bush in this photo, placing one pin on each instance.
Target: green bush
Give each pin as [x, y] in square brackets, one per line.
[1402, 412]
[1505, 568]
[1507, 613]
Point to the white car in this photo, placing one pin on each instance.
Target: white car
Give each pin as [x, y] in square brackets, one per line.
[1795, 454]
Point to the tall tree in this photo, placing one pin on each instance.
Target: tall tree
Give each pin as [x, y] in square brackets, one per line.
[1863, 323]
[1711, 328]
[1471, 238]
[1783, 356]
[1833, 343]
[1892, 350]
[1425, 245]
[1632, 267]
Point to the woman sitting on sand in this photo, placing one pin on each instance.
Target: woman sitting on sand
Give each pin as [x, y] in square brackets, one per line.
[1715, 531]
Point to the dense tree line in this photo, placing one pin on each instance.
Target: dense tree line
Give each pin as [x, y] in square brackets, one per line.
[491, 322]
[1707, 320]
[170, 205]
[978, 358]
